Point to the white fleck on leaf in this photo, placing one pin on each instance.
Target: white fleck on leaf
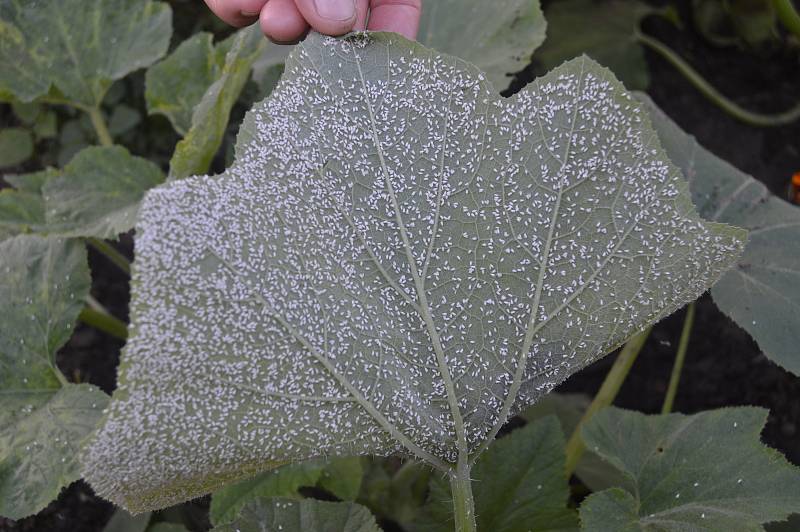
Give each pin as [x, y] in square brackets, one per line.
[397, 261]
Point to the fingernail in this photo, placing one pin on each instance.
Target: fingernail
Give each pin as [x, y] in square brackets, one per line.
[336, 9]
[250, 13]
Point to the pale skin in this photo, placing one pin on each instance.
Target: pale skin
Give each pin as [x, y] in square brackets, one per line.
[288, 21]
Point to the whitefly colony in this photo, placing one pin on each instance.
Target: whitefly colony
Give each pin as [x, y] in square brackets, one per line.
[398, 261]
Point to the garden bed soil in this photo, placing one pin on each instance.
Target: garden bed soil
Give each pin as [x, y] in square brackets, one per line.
[724, 366]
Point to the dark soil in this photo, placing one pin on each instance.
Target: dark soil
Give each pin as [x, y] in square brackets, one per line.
[724, 366]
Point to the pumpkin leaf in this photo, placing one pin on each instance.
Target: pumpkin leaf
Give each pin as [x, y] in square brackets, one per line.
[68, 51]
[518, 485]
[762, 292]
[227, 502]
[176, 85]
[194, 154]
[342, 477]
[707, 471]
[498, 37]
[43, 419]
[308, 515]
[98, 192]
[398, 261]
[593, 471]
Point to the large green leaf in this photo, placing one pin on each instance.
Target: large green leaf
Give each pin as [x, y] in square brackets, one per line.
[308, 515]
[194, 154]
[498, 36]
[342, 477]
[43, 420]
[72, 50]
[708, 471]
[604, 30]
[592, 470]
[284, 481]
[518, 484]
[367, 277]
[98, 193]
[176, 85]
[762, 293]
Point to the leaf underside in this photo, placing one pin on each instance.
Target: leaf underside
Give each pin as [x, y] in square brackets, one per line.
[762, 292]
[397, 261]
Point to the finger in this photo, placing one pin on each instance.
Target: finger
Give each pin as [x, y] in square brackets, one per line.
[282, 23]
[362, 11]
[237, 12]
[399, 16]
[331, 17]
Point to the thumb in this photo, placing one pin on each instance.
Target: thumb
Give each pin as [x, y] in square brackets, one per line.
[331, 17]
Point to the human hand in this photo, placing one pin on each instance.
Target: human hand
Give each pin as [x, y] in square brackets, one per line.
[287, 21]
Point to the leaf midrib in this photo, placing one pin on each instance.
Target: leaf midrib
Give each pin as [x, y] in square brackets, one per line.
[452, 399]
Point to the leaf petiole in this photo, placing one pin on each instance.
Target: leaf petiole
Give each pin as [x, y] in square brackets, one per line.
[111, 253]
[680, 356]
[104, 322]
[463, 502]
[100, 126]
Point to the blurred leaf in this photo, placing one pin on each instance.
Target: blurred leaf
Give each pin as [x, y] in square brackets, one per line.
[22, 209]
[122, 521]
[31, 182]
[498, 36]
[43, 420]
[762, 292]
[176, 85]
[593, 471]
[281, 482]
[168, 527]
[193, 154]
[16, 146]
[46, 125]
[602, 30]
[306, 515]
[518, 485]
[342, 477]
[75, 135]
[98, 193]
[395, 495]
[71, 51]
[708, 471]
[26, 112]
[123, 119]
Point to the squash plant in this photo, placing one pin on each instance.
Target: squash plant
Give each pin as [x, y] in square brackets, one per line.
[397, 262]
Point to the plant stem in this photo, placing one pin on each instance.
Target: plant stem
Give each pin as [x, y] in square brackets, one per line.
[104, 322]
[743, 115]
[680, 356]
[788, 15]
[605, 396]
[463, 503]
[100, 127]
[111, 253]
